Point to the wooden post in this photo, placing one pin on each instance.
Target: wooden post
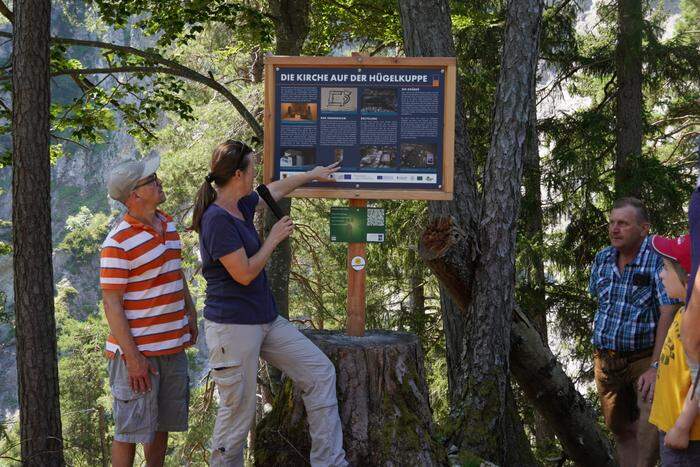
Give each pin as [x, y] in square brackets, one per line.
[356, 283]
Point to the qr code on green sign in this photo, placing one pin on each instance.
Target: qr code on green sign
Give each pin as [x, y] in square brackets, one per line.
[375, 217]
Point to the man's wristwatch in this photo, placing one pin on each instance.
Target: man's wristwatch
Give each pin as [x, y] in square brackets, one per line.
[654, 365]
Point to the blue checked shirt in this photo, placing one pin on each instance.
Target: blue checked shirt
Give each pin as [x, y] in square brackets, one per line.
[628, 308]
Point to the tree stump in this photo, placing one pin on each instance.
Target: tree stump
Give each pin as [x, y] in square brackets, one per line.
[383, 405]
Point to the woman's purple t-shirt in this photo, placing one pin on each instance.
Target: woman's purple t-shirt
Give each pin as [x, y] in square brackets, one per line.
[227, 301]
[694, 224]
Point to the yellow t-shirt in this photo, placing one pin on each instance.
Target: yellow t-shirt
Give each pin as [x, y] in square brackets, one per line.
[672, 382]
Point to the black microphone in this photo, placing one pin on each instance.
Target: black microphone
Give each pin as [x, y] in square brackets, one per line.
[270, 201]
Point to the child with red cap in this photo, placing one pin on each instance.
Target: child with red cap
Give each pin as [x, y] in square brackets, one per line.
[674, 409]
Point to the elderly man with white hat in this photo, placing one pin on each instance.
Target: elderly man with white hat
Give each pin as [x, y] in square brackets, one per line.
[151, 316]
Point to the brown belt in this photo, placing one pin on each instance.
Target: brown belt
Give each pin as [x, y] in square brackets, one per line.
[631, 355]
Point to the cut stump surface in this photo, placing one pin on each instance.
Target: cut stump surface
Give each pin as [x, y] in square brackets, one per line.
[383, 404]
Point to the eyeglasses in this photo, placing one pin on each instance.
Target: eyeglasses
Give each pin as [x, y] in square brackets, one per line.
[151, 179]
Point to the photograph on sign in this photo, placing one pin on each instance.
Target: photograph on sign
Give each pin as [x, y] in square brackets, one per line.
[390, 127]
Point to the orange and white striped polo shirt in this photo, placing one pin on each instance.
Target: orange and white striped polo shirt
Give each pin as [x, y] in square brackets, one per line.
[137, 260]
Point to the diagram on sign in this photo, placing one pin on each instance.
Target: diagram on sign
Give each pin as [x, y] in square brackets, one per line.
[339, 99]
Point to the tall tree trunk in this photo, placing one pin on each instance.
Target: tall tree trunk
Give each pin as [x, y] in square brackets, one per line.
[532, 288]
[37, 369]
[487, 338]
[427, 32]
[628, 125]
[291, 19]
[478, 340]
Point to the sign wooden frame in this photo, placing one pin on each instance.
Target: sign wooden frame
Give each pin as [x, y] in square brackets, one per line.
[450, 66]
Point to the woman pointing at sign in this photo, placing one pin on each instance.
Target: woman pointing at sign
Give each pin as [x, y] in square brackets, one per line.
[241, 320]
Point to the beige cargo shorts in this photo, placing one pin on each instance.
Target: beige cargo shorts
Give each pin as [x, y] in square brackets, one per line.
[137, 416]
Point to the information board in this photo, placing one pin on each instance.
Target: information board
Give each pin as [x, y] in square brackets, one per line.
[388, 121]
[357, 225]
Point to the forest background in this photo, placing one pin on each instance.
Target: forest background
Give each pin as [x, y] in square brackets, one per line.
[190, 75]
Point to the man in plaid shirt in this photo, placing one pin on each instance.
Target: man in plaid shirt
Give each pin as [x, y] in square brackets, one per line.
[633, 316]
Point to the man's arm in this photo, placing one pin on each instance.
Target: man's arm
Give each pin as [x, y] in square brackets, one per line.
[690, 325]
[136, 364]
[190, 310]
[647, 380]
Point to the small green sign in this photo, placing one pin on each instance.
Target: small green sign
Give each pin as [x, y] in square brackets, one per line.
[357, 225]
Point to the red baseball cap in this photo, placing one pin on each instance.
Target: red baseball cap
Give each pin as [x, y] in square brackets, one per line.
[677, 249]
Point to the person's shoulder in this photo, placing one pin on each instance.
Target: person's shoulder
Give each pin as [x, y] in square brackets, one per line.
[215, 215]
[212, 211]
[251, 199]
[603, 255]
[118, 234]
[652, 256]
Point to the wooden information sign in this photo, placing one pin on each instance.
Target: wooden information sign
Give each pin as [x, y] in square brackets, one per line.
[389, 121]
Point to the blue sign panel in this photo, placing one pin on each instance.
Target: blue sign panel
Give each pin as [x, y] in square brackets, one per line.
[384, 125]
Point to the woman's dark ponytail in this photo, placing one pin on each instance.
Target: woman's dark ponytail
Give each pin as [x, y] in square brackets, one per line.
[227, 158]
[205, 196]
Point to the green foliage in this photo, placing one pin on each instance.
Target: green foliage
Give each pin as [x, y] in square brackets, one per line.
[85, 232]
[191, 446]
[9, 441]
[578, 168]
[436, 375]
[82, 368]
[176, 22]
[370, 27]
[478, 30]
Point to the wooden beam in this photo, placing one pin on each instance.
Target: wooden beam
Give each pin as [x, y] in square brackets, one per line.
[356, 283]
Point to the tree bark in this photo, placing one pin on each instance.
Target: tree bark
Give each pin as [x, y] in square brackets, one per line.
[37, 368]
[478, 340]
[291, 19]
[554, 396]
[628, 124]
[427, 32]
[487, 338]
[536, 371]
[383, 404]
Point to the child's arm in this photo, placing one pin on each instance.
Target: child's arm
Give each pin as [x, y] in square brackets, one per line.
[678, 436]
[694, 367]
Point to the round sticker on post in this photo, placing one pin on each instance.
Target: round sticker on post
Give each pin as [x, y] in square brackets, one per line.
[358, 263]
